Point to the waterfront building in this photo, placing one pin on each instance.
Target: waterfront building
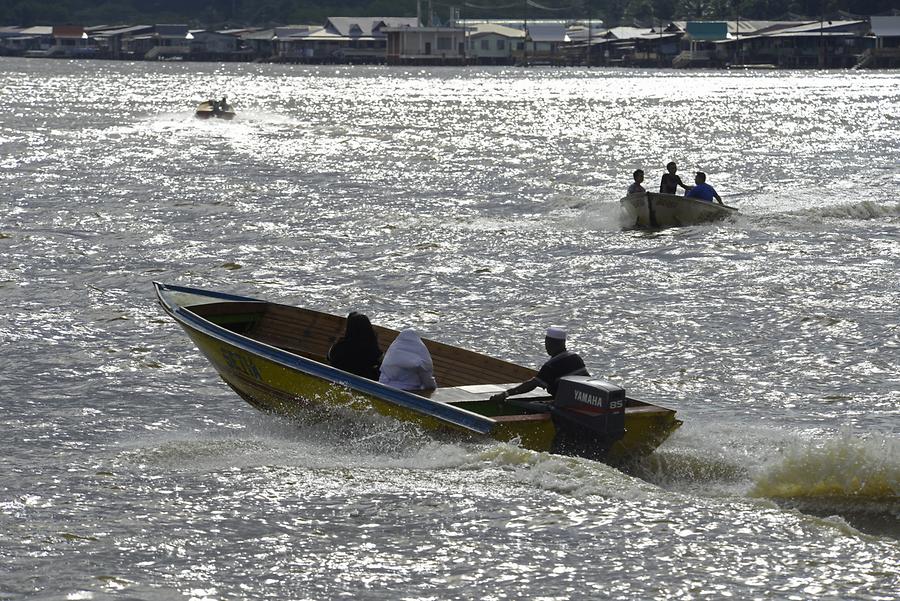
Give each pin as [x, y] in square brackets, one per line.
[110, 42]
[166, 41]
[885, 31]
[29, 39]
[810, 44]
[493, 44]
[823, 43]
[544, 43]
[343, 39]
[426, 45]
[699, 38]
[637, 46]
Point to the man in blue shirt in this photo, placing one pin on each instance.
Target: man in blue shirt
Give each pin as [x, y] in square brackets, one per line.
[702, 190]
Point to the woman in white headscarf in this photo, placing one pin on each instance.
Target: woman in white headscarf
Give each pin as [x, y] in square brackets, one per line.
[407, 364]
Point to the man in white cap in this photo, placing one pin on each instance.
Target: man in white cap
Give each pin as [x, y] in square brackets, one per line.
[561, 363]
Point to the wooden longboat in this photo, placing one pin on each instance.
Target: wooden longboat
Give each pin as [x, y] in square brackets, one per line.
[274, 356]
[650, 210]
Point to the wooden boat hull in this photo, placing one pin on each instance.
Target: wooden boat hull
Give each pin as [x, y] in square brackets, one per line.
[649, 210]
[273, 356]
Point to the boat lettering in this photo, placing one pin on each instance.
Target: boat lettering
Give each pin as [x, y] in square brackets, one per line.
[240, 364]
[596, 400]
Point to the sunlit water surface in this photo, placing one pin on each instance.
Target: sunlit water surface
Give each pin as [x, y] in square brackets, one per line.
[479, 206]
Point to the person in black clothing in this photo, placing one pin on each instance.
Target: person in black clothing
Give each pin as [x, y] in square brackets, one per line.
[357, 351]
[561, 363]
[671, 181]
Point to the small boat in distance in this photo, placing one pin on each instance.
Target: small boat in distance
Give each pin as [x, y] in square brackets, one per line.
[651, 210]
[215, 108]
[274, 356]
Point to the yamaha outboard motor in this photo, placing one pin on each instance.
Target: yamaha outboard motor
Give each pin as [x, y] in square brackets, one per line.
[589, 416]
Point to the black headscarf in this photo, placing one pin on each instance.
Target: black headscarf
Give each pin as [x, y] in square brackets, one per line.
[357, 351]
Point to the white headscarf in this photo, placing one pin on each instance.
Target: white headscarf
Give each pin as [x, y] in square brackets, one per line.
[407, 363]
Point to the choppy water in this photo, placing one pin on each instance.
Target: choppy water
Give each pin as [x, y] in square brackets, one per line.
[479, 206]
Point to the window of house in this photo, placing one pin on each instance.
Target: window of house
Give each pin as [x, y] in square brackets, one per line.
[501, 44]
[485, 44]
[443, 43]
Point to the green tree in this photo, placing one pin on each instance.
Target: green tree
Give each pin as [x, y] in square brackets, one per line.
[638, 11]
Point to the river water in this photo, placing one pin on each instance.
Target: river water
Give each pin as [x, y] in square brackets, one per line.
[479, 206]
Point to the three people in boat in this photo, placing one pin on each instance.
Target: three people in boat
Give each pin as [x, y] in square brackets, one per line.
[407, 363]
[357, 351]
[562, 363]
[636, 186]
[671, 181]
[218, 106]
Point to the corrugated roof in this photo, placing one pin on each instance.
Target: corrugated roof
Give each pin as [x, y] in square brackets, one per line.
[821, 26]
[38, 30]
[124, 30]
[68, 31]
[171, 30]
[262, 34]
[365, 26]
[547, 32]
[886, 27]
[480, 29]
[637, 33]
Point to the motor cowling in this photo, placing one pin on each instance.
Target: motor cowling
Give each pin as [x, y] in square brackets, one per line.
[589, 416]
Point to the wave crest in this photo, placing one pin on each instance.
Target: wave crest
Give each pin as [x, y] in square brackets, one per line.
[860, 211]
[845, 468]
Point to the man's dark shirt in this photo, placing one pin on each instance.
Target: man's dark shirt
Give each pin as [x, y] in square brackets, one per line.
[670, 183]
[565, 363]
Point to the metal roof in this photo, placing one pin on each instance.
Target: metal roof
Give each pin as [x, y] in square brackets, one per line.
[547, 32]
[38, 30]
[171, 29]
[123, 30]
[367, 26]
[821, 26]
[481, 29]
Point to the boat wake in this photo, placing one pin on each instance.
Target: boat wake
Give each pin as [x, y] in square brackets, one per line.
[865, 210]
[855, 478]
[600, 216]
[369, 441]
[847, 468]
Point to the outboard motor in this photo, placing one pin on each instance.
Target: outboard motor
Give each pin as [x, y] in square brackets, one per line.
[589, 415]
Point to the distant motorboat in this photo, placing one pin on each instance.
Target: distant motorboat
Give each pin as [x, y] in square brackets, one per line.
[651, 210]
[213, 108]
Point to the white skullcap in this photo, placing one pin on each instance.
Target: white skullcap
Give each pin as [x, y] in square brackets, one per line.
[557, 332]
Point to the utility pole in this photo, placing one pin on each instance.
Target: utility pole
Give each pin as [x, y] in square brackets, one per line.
[525, 43]
[590, 33]
[822, 36]
[659, 46]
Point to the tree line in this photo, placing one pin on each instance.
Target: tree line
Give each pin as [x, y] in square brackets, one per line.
[237, 13]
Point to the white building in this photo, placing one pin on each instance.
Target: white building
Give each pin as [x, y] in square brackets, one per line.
[491, 43]
[426, 45]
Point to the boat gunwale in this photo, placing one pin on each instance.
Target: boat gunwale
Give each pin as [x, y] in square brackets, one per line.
[628, 198]
[187, 318]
